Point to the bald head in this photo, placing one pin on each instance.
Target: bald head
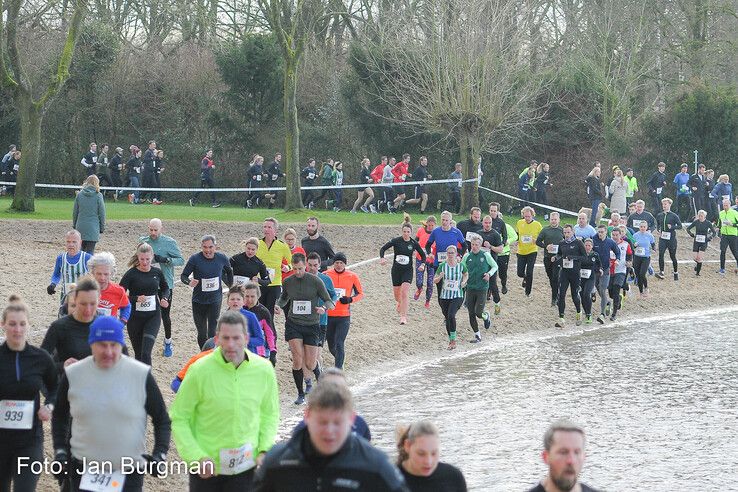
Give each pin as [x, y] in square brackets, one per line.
[155, 228]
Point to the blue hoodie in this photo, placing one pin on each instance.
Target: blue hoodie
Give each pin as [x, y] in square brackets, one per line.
[603, 248]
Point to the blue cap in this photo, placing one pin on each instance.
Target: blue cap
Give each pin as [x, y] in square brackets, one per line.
[106, 329]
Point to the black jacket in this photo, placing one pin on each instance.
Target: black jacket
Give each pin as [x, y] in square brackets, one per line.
[594, 188]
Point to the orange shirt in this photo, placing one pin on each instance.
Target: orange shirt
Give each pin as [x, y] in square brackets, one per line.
[422, 238]
[345, 283]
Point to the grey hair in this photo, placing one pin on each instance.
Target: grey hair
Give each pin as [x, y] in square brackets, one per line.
[208, 237]
[232, 318]
[103, 258]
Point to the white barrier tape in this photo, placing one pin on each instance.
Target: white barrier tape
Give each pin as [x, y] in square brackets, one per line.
[549, 207]
[257, 190]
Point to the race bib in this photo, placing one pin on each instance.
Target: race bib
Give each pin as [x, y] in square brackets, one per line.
[271, 272]
[585, 273]
[441, 256]
[275, 177]
[468, 236]
[554, 249]
[102, 482]
[104, 311]
[16, 414]
[640, 251]
[567, 263]
[210, 284]
[451, 284]
[258, 177]
[311, 176]
[700, 238]
[526, 239]
[637, 223]
[237, 460]
[666, 236]
[240, 280]
[726, 197]
[340, 293]
[148, 304]
[658, 191]
[301, 307]
[727, 223]
[402, 259]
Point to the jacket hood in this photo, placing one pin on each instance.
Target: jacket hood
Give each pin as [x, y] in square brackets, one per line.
[88, 191]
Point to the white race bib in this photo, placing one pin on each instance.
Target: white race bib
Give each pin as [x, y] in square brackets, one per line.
[727, 223]
[102, 482]
[567, 263]
[554, 249]
[301, 307]
[700, 238]
[468, 235]
[636, 223]
[666, 236]
[726, 197]
[441, 257]
[585, 273]
[104, 311]
[237, 460]
[210, 284]
[402, 259]
[340, 292]
[16, 414]
[148, 304]
[311, 176]
[271, 272]
[258, 177]
[658, 191]
[640, 251]
[451, 285]
[526, 239]
[240, 280]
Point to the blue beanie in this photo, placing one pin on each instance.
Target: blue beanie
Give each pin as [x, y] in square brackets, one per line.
[106, 329]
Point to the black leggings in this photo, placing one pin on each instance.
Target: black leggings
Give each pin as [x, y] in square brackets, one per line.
[502, 263]
[336, 333]
[569, 277]
[640, 266]
[672, 247]
[475, 300]
[206, 319]
[525, 270]
[588, 285]
[493, 290]
[449, 308]
[142, 330]
[725, 243]
[552, 270]
[166, 317]
[241, 482]
[89, 246]
[205, 182]
[307, 197]
[269, 296]
[616, 283]
[10, 452]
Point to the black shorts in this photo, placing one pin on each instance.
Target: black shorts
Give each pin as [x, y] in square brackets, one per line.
[402, 275]
[696, 247]
[399, 190]
[419, 191]
[308, 334]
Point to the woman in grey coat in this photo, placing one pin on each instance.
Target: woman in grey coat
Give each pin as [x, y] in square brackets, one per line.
[618, 190]
[88, 216]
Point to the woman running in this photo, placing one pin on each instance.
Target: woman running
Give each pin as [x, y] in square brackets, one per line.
[290, 239]
[25, 371]
[644, 243]
[589, 272]
[148, 291]
[703, 233]
[236, 302]
[113, 299]
[428, 270]
[247, 267]
[528, 230]
[251, 294]
[337, 180]
[451, 278]
[619, 269]
[365, 179]
[418, 460]
[402, 266]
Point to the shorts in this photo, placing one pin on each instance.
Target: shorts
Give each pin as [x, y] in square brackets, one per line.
[308, 334]
[401, 276]
[697, 247]
[321, 335]
[399, 190]
[419, 191]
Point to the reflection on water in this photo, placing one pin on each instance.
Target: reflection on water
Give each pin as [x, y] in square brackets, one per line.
[659, 401]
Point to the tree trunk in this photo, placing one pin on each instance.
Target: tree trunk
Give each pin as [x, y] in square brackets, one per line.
[293, 197]
[31, 118]
[470, 190]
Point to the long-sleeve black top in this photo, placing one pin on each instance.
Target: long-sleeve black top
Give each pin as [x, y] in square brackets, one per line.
[243, 266]
[321, 246]
[403, 251]
[151, 283]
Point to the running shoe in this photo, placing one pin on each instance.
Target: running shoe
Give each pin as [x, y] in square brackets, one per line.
[477, 338]
[427, 304]
[216, 205]
[248, 204]
[650, 270]
[326, 203]
[721, 271]
[300, 400]
[416, 296]
[157, 202]
[403, 320]
[311, 205]
[487, 320]
[676, 276]
[372, 208]
[168, 349]
[497, 309]
[364, 209]
[588, 319]
[452, 344]
[438, 205]
[579, 319]
[192, 204]
[560, 323]
[601, 319]
[308, 386]
[660, 275]
[612, 318]
[352, 211]
[504, 289]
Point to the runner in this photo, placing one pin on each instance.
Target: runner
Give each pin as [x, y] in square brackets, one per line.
[698, 186]
[722, 190]
[503, 259]
[273, 253]
[69, 266]
[290, 239]
[348, 290]
[209, 268]
[148, 170]
[641, 215]
[401, 172]
[207, 167]
[254, 179]
[226, 387]
[418, 460]
[454, 190]
[668, 223]
[299, 300]
[251, 294]
[618, 270]
[644, 243]
[425, 268]
[148, 291]
[326, 454]
[308, 174]
[419, 193]
[166, 256]
[113, 299]
[549, 239]
[570, 254]
[607, 250]
[656, 184]
[314, 242]
[313, 267]
[443, 237]
[492, 243]
[247, 267]
[683, 193]
[471, 225]
[336, 182]
[543, 181]
[527, 230]
[365, 179]
[703, 233]
[25, 371]
[256, 343]
[480, 268]
[326, 179]
[388, 191]
[632, 185]
[589, 273]
[274, 174]
[402, 266]
[116, 166]
[89, 160]
[451, 278]
[582, 230]
[159, 166]
[728, 234]
[111, 427]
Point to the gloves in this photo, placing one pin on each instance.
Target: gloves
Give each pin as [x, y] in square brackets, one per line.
[61, 471]
[346, 300]
[176, 382]
[161, 259]
[51, 289]
[153, 461]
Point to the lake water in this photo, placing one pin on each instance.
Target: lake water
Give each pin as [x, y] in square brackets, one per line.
[658, 399]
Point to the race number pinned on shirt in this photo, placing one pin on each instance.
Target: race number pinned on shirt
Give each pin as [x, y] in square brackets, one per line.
[526, 239]
[468, 236]
[104, 311]
[340, 292]
[567, 263]
[102, 482]
[585, 273]
[727, 223]
[666, 236]
[452, 285]
[640, 251]
[726, 197]
[271, 272]
[236, 460]
[301, 307]
[240, 280]
[16, 414]
[637, 223]
[554, 249]
[700, 238]
[210, 284]
[148, 304]
[402, 259]
[659, 190]
[258, 177]
[441, 256]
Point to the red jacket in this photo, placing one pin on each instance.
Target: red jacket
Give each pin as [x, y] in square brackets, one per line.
[377, 172]
[400, 172]
[422, 237]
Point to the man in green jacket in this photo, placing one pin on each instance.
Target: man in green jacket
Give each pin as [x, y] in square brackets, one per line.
[481, 266]
[728, 221]
[226, 412]
[632, 185]
[167, 256]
